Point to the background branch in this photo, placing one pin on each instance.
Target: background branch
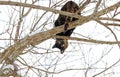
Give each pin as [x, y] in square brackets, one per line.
[42, 36]
[90, 50]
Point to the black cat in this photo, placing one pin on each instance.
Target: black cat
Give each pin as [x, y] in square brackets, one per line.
[60, 43]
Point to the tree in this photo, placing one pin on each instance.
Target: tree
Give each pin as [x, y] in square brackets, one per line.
[29, 33]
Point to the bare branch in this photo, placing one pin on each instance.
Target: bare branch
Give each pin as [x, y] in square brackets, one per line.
[21, 16]
[42, 36]
[107, 68]
[83, 6]
[30, 43]
[111, 24]
[39, 7]
[111, 19]
[97, 5]
[110, 31]
[89, 40]
[104, 11]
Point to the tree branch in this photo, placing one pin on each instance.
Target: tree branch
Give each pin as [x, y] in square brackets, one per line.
[42, 36]
[102, 12]
[110, 19]
[89, 40]
[107, 68]
[39, 7]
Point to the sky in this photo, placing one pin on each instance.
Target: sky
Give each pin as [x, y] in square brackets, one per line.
[79, 55]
